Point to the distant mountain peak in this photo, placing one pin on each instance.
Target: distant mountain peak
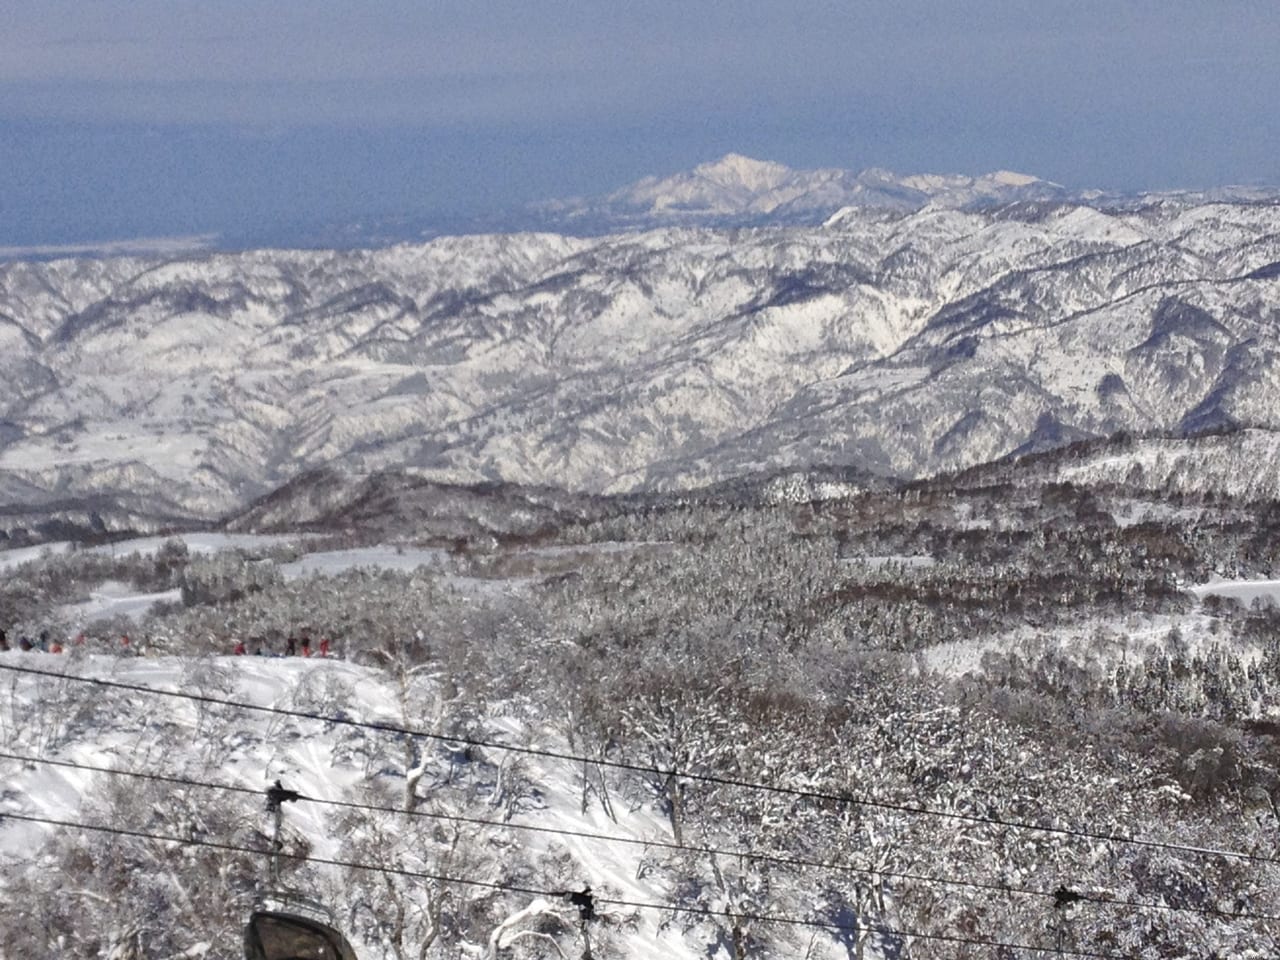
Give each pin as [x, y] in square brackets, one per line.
[1011, 178]
[731, 185]
[737, 189]
[734, 169]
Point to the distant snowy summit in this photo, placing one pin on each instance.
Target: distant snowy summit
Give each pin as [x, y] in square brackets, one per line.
[738, 189]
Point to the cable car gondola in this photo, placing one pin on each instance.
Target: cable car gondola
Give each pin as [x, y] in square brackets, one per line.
[286, 925]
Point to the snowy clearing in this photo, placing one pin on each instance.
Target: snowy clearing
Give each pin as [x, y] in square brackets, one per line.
[203, 543]
[907, 561]
[1245, 591]
[330, 562]
[1099, 644]
[118, 599]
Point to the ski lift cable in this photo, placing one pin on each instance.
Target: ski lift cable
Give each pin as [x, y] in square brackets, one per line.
[802, 862]
[664, 772]
[775, 919]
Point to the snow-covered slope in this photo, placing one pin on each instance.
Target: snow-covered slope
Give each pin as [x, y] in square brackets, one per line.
[900, 343]
[1243, 464]
[247, 751]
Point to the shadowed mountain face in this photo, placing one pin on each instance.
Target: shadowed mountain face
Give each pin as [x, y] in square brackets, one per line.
[901, 344]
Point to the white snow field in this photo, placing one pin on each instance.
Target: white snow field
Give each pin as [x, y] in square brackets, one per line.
[146, 546]
[113, 598]
[906, 562]
[117, 599]
[1245, 591]
[329, 562]
[405, 559]
[1100, 643]
[56, 719]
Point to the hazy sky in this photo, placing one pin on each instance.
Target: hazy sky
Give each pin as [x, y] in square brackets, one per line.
[174, 116]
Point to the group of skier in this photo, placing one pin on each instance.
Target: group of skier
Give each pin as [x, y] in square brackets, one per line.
[44, 643]
[293, 646]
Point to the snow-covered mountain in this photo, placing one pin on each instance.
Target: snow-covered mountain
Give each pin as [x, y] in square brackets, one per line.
[739, 190]
[898, 343]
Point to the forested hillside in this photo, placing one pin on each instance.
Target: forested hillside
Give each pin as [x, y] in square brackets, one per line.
[891, 723]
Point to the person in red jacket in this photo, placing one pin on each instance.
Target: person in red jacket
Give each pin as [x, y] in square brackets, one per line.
[324, 646]
[239, 650]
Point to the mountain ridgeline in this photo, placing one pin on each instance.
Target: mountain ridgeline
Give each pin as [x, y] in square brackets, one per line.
[895, 342]
[901, 584]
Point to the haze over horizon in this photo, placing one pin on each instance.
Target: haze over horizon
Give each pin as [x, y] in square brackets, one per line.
[150, 118]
